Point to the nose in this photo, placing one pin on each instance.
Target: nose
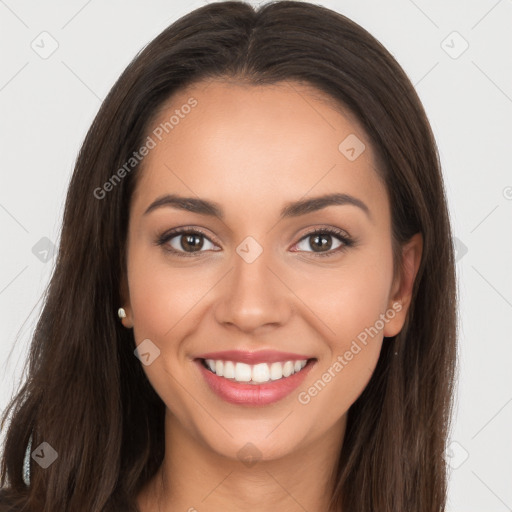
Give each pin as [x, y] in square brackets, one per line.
[253, 296]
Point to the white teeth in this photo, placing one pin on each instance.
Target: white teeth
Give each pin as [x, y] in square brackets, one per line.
[287, 368]
[255, 374]
[276, 371]
[260, 373]
[229, 370]
[242, 372]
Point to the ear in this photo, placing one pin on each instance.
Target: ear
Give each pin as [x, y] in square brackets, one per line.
[401, 292]
[124, 295]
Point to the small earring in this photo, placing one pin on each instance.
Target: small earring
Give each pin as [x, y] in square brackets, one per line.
[121, 313]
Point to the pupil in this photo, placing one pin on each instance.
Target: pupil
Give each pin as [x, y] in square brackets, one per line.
[190, 241]
[321, 245]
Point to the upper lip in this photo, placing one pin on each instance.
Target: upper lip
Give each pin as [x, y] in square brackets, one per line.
[247, 357]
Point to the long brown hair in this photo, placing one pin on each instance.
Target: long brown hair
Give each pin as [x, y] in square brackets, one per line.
[87, 395]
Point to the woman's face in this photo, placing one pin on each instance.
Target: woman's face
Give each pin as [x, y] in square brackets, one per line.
[255, 280]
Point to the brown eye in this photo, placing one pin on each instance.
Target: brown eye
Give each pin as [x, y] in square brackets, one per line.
[321, 242]
[189, 241]
[185, 242]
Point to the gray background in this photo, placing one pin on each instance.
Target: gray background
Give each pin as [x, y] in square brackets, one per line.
[48, 103]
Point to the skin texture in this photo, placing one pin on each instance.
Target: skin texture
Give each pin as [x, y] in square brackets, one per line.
[253, 149]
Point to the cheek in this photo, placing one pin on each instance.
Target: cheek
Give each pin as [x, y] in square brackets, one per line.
[354, 314]
[345, 300]
[160, 296]
[160, 300]
[339, 382]
[352, 303]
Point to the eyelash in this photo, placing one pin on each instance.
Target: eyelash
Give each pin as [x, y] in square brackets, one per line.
[338, 233]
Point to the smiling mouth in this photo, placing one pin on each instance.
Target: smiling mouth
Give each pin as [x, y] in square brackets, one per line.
[256, 374]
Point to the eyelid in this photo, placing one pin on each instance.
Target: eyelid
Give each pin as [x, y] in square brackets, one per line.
[340, 233]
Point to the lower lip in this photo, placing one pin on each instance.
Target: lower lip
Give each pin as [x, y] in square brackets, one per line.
[253, 394]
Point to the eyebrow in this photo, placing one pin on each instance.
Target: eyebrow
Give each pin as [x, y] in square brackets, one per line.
[291, 209]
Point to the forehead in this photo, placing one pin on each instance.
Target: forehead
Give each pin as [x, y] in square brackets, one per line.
[250, 145]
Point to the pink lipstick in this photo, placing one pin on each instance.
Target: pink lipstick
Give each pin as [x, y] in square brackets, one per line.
[253, 378]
